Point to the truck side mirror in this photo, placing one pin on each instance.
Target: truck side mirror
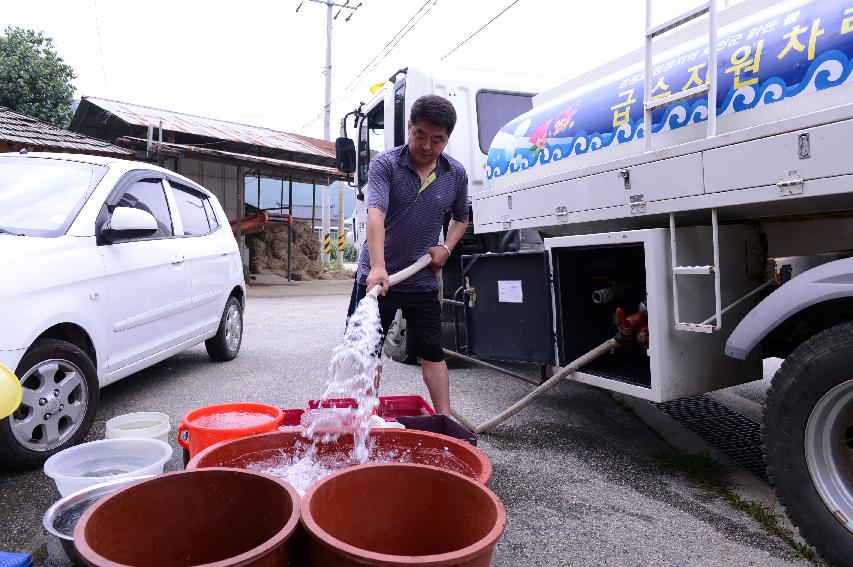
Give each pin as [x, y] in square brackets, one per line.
[345, 155]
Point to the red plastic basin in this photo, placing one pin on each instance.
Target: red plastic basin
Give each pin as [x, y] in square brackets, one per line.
[416, 446]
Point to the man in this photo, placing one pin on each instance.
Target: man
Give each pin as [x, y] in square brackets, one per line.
[409, 190]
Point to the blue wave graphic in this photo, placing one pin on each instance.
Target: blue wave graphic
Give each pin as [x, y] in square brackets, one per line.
[828, 70]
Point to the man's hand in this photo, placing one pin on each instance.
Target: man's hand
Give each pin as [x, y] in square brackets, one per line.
[377, 276]
[439, 255]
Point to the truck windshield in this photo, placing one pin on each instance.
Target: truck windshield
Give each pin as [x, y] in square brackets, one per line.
[371, 140]
[40, 196]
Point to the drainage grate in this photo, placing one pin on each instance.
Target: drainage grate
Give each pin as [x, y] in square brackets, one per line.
[736, 436]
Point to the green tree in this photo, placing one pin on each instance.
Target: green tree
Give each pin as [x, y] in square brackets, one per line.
[34, 80]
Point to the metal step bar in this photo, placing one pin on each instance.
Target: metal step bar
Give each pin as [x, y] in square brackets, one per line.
[705, 326]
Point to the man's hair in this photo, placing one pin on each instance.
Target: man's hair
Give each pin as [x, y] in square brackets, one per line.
[434, 109]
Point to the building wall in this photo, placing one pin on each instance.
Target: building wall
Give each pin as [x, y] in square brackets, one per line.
[218, 178]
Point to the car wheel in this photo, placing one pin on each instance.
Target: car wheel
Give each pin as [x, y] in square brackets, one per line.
[226, 343]
[59, 399]
[808, 438]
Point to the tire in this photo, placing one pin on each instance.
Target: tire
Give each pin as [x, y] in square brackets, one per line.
[60, 399]
[225, 344]
[395, 345]
[809, 402]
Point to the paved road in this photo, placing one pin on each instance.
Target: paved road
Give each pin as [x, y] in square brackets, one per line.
[575, 471]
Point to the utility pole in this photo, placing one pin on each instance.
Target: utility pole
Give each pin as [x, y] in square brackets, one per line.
[330, 4]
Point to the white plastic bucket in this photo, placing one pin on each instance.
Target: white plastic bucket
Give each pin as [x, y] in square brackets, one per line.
[107, 459]
[144, 424]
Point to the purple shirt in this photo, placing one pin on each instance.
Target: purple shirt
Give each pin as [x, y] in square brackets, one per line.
[413, 220]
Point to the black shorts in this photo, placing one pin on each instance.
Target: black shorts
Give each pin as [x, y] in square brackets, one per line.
[422, 312]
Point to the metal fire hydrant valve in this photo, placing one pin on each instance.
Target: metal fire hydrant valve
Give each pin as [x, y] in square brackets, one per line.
[632, 328]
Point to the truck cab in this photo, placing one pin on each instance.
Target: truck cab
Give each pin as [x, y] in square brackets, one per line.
[484, 102]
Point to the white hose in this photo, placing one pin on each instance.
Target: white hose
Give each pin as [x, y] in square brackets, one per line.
[403, 274]
[573, 366]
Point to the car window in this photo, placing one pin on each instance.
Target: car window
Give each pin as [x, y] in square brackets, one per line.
[40, 196]
[211, 215]
[148, 195]
[191, 207]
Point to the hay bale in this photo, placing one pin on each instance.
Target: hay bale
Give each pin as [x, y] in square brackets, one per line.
[268, 252]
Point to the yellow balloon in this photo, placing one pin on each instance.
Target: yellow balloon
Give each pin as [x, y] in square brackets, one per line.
[375, 88]
[10, 392]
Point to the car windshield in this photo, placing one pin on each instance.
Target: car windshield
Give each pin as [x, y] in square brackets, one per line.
[40, 196]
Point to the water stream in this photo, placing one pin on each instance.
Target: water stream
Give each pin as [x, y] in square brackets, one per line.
[351, 375]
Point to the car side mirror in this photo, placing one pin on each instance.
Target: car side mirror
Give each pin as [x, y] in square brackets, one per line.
[345, 155]
[127, 222]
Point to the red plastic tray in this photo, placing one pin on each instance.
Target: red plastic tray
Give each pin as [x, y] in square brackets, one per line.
[292, 417]
[333, 403]
[390, 407]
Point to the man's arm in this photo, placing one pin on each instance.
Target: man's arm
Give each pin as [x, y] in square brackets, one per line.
[378, 194]
[456, 228]
[440, 254]
[376, 246]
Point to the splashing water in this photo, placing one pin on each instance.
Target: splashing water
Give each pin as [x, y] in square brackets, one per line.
[352, 373]
[306, 465]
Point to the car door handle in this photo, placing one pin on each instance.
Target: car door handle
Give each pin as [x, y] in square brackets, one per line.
[179, 259]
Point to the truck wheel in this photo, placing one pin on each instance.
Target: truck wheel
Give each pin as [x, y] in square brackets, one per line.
[395, 341]
[225, 344]
[808, 440]
[60, 398]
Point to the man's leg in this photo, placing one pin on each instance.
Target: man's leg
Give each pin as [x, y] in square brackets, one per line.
[423, 328]
[437, 380]
[387, 311]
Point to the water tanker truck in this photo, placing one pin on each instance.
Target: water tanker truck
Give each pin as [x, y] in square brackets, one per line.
[617, 203]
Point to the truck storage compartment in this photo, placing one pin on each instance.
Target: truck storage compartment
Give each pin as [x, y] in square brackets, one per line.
[593, 283]
[597, 273]
[508, 307]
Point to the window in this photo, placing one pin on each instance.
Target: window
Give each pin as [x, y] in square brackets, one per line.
[371, 140]
[211, 215]
[40, 196]
[191, 206]
[400, 115]
[495, 109]
[147, 195]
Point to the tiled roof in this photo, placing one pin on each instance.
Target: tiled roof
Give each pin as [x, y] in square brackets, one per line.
[19, 129]
[201, 126]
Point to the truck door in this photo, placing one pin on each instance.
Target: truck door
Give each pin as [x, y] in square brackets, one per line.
[508, 307]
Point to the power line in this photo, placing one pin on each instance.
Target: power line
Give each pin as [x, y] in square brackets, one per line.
[401, 33]
[499, 14]
[275, 18]
[100, 47]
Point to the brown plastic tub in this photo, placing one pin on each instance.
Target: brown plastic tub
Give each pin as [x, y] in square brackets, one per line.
[411, 446]
[212, 517]
[401, 515]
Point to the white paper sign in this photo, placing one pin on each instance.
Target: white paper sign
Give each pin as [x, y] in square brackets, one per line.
[509, 291]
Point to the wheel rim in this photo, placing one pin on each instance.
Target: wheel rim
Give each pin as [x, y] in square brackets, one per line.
[54, 399]
[233, 327]
[829, 451]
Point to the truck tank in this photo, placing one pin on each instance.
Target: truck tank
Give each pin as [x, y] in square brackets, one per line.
[782, 60]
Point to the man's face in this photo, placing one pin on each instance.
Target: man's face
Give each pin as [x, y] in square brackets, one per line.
[426, 142]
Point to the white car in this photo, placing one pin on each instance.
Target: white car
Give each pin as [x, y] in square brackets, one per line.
[109, 266]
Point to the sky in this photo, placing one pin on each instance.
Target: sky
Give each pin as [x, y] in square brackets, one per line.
[261, 62]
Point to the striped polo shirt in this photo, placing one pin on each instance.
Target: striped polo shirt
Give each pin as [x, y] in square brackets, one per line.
[414, 212]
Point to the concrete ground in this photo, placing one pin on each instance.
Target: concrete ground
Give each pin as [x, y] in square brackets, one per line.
[575, 471]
